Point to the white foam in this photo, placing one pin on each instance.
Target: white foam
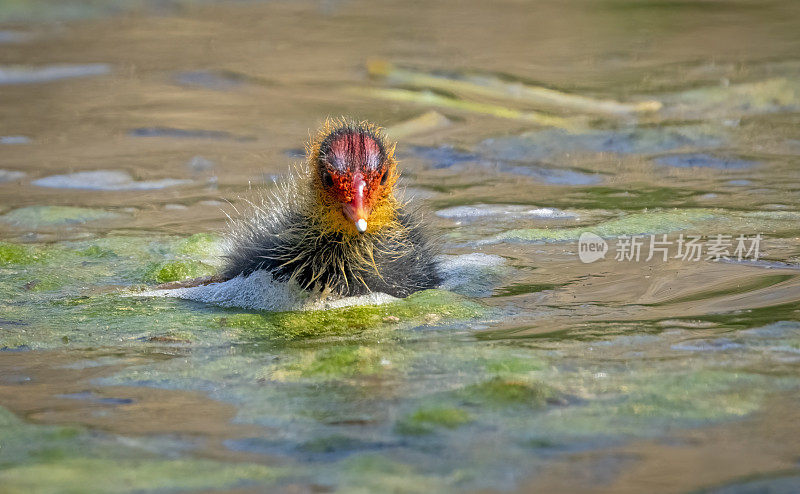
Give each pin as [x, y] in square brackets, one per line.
[374, 298]
[472, 274]
[257, 291]
[260, 291]
[549, 213]
[509, 210]
[105, 180]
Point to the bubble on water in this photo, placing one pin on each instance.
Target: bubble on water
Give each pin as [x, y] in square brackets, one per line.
[15, 140]
[20, 74]
[10, 175]
[105, 180]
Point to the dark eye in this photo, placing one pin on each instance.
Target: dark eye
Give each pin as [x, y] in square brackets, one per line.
[327, 179]
[383, 178]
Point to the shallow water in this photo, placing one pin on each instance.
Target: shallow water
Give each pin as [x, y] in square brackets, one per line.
[129, 130]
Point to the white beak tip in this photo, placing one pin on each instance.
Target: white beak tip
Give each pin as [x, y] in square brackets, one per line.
[361, 225]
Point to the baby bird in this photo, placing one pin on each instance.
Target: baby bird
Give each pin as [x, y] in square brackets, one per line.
[336, 226]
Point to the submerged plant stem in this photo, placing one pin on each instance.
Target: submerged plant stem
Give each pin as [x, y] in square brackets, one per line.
[432, 99]
[494, 87]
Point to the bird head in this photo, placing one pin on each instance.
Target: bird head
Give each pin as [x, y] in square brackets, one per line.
[353, 174]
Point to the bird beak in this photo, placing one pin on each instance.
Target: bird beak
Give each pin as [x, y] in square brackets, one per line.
[355, 209]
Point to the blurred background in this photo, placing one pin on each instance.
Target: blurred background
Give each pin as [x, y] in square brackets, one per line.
[228, 92]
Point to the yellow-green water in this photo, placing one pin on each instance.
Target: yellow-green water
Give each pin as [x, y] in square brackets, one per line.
[535, 374]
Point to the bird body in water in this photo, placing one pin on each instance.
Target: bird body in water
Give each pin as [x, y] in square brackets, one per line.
[337, 225]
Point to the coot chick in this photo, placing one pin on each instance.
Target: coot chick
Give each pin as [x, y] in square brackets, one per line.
[336, 225]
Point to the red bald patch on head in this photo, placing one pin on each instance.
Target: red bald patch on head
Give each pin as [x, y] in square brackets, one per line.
[354, 176]
[354, 151]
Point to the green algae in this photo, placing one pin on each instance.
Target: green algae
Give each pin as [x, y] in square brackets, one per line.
[335, 362]
[329, 444]
[512, 365]
[344, 361]
[426, 307]
[16, 254]
[134, 248]
[34, 217]
[88, 475]
[22, 442]
[666, 221]
[426, 420]
[503, 392]
[644, 403]
[96, 252]
[370, 473]
[630, 224]
[64, 459]
[697, 396]
[766, 96]
[752, 318]
[524, 288]
[199, 245]
[45, 284]
[346, 381]
[129, 260]
[133, 319]
[634, 198]
[186, 258]
[177, 270]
